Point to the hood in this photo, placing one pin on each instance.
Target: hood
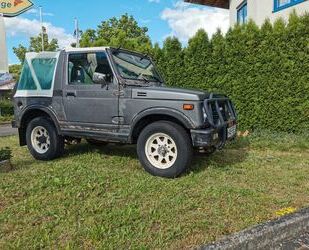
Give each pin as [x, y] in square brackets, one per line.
[165, 93]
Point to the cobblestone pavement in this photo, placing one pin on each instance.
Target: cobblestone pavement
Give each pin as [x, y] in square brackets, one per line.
[298, 243]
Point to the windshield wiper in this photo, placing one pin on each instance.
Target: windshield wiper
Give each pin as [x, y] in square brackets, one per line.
[145, 79]
[144, 56]
[157, 78]
[154, 77]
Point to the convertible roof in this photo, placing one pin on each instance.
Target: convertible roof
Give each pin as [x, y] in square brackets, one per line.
[214, 3]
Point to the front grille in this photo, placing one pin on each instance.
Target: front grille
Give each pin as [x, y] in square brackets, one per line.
[219, 110]
[215, 114]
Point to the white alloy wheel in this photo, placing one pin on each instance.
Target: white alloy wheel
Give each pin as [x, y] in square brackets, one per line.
[40, 139]
[161, 151]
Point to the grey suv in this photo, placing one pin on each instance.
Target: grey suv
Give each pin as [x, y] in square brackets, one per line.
[114, 95]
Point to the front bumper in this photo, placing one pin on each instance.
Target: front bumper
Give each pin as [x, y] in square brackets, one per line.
[222, 119]
[211, 137]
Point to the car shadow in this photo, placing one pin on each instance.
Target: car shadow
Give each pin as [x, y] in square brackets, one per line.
[234, 153]
[110, 149]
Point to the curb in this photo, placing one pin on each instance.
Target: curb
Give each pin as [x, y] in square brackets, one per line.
[5, 123]
[267, 235]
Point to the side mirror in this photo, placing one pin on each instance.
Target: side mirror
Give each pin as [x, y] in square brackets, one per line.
[99, 78]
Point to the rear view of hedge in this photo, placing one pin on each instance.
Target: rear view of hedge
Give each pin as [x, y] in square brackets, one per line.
[6, 108]
[264, 70]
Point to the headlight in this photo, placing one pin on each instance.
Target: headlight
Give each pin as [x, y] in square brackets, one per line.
[204, 114]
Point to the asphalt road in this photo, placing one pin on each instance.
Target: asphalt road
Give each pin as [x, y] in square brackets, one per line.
[6, 130]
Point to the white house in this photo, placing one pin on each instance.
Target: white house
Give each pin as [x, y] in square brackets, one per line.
[257, 10]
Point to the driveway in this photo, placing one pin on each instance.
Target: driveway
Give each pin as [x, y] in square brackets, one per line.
[6, 130]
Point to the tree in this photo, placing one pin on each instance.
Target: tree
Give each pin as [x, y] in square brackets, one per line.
[15, 71]
[172, 62]
[36, 46]
[124, 32]
[197, 60]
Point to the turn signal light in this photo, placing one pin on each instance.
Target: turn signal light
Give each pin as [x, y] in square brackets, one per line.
[188, 107]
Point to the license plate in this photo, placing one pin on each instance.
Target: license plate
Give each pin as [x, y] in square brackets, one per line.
[231, 132]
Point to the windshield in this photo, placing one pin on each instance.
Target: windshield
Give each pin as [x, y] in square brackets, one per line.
[135, 67]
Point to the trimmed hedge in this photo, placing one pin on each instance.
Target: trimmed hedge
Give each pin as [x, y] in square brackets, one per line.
[264, 70]
[6, 108]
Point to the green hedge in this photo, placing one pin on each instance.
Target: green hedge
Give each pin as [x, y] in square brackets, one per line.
[264, 70]
[6, 108]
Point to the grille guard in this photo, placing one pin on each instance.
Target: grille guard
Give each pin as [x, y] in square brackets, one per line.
[221, 122]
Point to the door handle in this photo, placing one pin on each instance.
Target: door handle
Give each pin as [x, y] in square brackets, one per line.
[73, 94]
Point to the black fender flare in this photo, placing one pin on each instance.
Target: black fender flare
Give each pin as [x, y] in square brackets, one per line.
[174, 113]
[44, 109]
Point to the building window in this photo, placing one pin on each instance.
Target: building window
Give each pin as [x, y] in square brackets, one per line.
[282, 4]
[242, 13]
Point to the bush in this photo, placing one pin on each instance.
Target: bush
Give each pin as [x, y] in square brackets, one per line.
[6, 108]
[5, 154]
[264, 71]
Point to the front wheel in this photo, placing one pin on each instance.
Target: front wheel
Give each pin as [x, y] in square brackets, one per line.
[164, 149]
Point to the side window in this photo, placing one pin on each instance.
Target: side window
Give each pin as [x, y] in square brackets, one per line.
[43, 69]
[282, 4]
[81, 67]
[26, 81]
[242, 13]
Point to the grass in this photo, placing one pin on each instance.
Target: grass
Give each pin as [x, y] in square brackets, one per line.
[102, 198]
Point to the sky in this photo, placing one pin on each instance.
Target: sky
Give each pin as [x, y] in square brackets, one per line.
[162, 17]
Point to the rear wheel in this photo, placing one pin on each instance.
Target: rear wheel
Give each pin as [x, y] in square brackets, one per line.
[42, 139]
[164, 149]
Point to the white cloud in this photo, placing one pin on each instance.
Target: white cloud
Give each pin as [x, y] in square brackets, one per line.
[37, 12]
[19, 26]
[154, 1]
[186, 19]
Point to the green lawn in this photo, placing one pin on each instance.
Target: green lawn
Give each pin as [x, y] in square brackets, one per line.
[101, 197]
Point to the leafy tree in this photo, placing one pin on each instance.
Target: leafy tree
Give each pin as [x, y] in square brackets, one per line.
[36, 46]
[124, 32]
[15, 71]
[172, 62]
[197, 59]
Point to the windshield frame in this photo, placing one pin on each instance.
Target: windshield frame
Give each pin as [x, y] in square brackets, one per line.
[143, 81]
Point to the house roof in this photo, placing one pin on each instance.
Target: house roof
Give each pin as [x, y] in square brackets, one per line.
[7, 86]
[214, 3]
[6, 82]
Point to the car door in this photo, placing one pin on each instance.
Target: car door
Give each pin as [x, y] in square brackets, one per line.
[87, 104]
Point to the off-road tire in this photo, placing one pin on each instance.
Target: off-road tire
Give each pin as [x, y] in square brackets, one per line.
[56, 148]
[180, 138]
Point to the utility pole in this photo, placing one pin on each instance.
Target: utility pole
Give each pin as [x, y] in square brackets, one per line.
[42, 28]
[77, 32]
